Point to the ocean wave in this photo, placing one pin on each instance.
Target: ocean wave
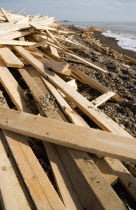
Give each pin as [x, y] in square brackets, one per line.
[126, 41]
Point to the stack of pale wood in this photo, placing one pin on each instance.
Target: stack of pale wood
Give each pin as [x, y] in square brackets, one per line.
[85, 162]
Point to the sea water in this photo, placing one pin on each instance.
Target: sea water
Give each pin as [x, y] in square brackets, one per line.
[124, 33]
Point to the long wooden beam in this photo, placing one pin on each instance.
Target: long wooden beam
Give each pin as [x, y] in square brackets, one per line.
[16, 42]
[10, 186]
[102, 99]
[20, 11]
[65, 134]
[5, 14]
[15, 34]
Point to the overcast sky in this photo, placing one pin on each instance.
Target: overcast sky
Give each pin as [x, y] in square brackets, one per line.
[77, 10]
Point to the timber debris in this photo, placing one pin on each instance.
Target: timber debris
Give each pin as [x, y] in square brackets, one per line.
[39, 105]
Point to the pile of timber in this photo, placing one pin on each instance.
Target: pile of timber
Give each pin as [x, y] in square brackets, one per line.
[85, 162]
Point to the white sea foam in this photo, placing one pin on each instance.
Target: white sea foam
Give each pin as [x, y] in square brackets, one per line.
[125, 40]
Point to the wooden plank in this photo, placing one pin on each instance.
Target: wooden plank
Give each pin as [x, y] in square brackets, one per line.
[131, 60]
[28, 57]
[127, 180]
[16, 42]
[52, 37]
[22, 21]
[14, 35]
[71, 59]
[98, 185]
[5, 14]
[8, 83]
[10, 187]
[49, 55]
[42, 43]
[29, 176]
[60, 150]
[10, 27]
[71, 42]
[21, 38]
[53, 50]
[77, 137]
[36, 77]
[3, 68]
[93, 83]
[2, 18]
[20, 11]
[65, 187]
[40, 27]
[77, 78]
[36, 54]
[104, 167]
[24, 61]
[36, 180]
[60, 67]
[102, 99]
[9, 58]
[73, 84]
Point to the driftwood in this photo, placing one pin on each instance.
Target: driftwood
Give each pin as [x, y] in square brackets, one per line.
[38, 51]
[101, 143]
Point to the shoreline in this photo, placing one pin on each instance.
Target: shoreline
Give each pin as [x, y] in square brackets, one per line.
[107, 41]
[113, 43]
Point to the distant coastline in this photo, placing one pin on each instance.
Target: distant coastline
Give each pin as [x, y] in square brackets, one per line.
[112, 42]
[122, 36]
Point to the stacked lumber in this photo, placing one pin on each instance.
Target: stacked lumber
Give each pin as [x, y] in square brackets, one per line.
[85, 163]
